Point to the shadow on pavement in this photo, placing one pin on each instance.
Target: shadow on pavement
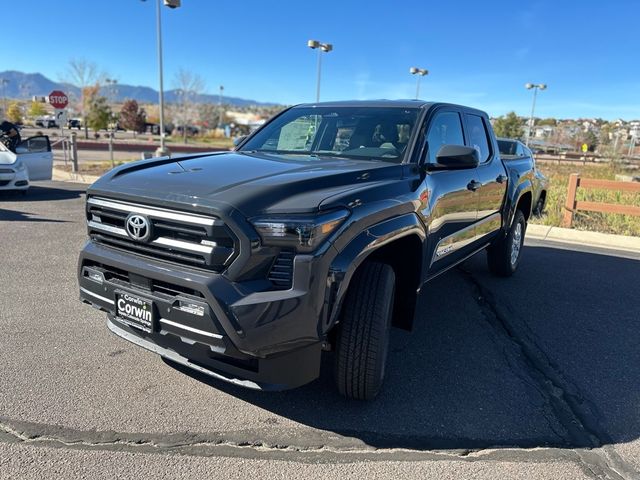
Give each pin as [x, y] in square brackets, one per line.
[35, 194]
[548, 357]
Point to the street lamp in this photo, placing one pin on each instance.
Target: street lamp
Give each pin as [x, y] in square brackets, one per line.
[535, 87]
[162, 150]
[113, 91]
[420, 72]
[322, 47]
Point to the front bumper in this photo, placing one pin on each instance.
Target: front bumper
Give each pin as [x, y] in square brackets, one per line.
[242, 333]
[11, 179]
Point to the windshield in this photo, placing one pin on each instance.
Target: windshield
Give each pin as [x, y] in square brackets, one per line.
[367, 133]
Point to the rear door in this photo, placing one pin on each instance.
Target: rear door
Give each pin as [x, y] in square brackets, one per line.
[452, 205]
[36, 154]
[490, 173]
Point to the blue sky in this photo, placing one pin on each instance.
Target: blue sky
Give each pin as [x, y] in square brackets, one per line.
[479, 53]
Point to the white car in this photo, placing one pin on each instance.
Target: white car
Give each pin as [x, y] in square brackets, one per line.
[33, 161]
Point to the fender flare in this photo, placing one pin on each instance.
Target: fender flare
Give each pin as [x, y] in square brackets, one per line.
[358, 250]
[521, 189]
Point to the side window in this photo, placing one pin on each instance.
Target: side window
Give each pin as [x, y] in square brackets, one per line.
[478, 137]
[445, 129]
[519, 151]
[37, 144]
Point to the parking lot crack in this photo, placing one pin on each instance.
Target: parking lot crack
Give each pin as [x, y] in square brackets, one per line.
[232, 444]
[572, 409]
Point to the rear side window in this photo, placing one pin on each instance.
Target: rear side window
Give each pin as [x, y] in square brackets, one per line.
[445, 129]
[478, 136]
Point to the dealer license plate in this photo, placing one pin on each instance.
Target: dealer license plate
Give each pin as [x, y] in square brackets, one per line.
[135, 311]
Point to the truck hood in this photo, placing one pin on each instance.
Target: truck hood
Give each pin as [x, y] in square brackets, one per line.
[253, 183]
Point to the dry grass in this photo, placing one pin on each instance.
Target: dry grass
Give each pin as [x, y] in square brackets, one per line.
[600, 222]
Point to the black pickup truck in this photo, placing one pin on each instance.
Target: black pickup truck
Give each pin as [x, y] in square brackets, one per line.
[315, 234]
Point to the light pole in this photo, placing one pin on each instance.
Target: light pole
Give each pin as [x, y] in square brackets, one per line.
[113, 90]
[420, 72]
[322, 47]
[4, 82]
[535, 87]
[162, 150]
[220, 115]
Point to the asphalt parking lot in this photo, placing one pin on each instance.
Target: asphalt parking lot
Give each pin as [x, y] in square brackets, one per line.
[537, 376]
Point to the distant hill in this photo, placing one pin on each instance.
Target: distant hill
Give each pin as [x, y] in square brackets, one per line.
[23, 86]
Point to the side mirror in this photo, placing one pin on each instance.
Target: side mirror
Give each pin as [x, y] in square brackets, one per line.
[454, 157]
[238, 140]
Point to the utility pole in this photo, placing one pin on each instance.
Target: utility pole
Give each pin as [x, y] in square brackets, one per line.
[535, 87]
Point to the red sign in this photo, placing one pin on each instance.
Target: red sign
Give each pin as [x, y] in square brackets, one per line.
[58, 99]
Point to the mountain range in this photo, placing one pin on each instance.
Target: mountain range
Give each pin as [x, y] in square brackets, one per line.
[23, 86]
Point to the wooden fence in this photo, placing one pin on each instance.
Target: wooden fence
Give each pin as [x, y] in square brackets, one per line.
[572, 204]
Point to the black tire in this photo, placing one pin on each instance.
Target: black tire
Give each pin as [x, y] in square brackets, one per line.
[362, 338]
[501, 258]
[539, 208]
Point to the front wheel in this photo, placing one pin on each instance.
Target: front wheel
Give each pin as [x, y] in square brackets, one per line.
[363, 332]
[503, 256]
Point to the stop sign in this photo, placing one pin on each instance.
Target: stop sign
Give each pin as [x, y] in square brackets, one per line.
[58, 99]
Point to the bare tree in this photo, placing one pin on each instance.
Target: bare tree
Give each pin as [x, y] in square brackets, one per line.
[82, 73]
[188, 86]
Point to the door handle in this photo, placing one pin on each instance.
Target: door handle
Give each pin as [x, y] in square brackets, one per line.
[502, 178]
[473, 185]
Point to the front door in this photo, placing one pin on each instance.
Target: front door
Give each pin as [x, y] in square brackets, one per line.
[491, 175]
[450, 210]
[36, 154]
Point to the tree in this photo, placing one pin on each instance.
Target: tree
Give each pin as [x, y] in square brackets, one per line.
[189, 86]
[547, 121]
[37, 109]
[98, 112]
[132, 117]
[14, 113]
[588, 137]
[82, 74]
[508, 126]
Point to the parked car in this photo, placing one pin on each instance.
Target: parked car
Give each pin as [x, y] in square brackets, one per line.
[46, 123]
[511, 149]
[246, 265]
[32, 161]
[74, 123]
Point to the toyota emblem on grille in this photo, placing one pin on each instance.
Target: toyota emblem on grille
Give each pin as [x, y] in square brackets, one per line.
[138, 227]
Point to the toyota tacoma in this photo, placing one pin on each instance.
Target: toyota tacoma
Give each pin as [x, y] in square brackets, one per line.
[315, 234]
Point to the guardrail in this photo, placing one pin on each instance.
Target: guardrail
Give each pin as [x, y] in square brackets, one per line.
[572, 205]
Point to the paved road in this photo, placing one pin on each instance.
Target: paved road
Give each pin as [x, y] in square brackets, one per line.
[532, 377]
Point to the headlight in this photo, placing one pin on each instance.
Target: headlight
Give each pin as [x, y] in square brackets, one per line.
[302, 232]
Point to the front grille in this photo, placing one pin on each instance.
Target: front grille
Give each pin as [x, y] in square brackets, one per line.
[6, 170]
[176, 236]
[4, 182]
[281, 273]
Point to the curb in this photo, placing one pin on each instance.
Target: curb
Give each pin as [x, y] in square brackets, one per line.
[582, 237]
[64, 176]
